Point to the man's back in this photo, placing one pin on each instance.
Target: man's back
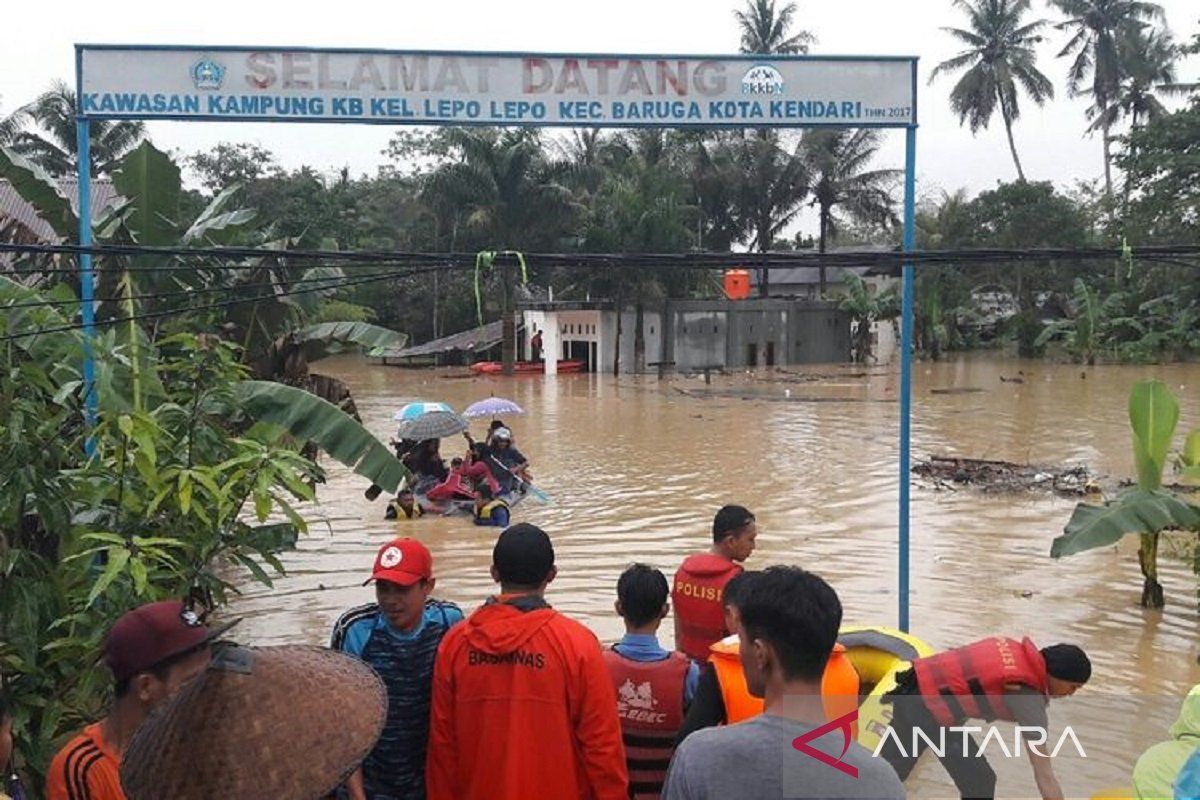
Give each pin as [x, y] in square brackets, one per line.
[523, 707]
[85, 769]
[755, 760]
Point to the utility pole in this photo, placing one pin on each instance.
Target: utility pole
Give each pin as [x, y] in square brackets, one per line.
[508, 314]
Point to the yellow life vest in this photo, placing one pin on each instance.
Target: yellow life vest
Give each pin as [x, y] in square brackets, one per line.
[487, 510]
[402, 514]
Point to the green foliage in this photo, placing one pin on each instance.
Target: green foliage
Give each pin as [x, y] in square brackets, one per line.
[1147, 509]
[170, 497]
[1153, 415]
[326, 338]
[1162, 161]
[38, 187]
[310, 418]
[340, 310]
[1000, 57]
[1133, 511]
[865, 308]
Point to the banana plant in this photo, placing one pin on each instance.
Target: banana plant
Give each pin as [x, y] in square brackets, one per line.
[276, 342]
[1146, 509]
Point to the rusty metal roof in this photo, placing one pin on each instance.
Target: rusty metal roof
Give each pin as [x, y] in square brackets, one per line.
[13, 207]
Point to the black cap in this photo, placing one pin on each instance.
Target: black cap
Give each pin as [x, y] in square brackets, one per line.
[1067, 663]
[729, 519]
[523, 555]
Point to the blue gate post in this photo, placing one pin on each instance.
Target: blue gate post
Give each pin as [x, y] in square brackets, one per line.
[906, 343]
[91, 402]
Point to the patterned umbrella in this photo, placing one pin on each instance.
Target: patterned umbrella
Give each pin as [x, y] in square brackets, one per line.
[415, 410]
[492, 407]
[437, 424]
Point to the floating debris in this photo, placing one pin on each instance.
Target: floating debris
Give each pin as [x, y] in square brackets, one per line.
[947, 472]
[957, 390]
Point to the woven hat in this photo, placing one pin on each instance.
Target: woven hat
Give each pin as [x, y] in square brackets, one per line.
[263, 723]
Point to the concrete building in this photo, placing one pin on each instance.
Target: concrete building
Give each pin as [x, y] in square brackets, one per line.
[803, 283]
[688, 335]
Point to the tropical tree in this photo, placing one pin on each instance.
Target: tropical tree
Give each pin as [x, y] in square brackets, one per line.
[1102, 33]
[776, 181]
[1159, 163]
[1146, 509]
[866, 308]
[1000, 56]
[641, 206]
[836, 161]
[11, 125]
[173, 293]
[1149, 72]
[53, 145]
[765, 30]
[513, 198]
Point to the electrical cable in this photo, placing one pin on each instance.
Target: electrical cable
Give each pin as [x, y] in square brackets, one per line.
[207, 307]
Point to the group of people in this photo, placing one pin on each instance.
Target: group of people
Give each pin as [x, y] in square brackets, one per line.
[487, 473]
[517, 700]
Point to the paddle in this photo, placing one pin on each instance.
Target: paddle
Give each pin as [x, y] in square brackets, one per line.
[533, 490]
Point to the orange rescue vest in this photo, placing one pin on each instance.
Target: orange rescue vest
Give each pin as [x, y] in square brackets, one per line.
[696, 596]
[969, 682]
[650, 706]
[839, 684]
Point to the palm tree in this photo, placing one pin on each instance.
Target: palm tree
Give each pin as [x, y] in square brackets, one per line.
[1101, 33]
[513, 196]
[776, 183]
[765, 31]
[1000, 52]
[11, 125]
[1150, 69]
[836, 159]
[55, 147]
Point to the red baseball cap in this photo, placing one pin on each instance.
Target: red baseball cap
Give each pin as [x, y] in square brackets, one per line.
[402, 561]
[149, 635]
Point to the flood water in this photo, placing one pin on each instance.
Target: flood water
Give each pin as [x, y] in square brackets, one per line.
[637, 467]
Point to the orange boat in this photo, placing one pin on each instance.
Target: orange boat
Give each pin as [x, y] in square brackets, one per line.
[525, 367]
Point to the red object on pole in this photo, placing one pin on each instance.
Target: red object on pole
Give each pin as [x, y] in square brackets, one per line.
[737, 284]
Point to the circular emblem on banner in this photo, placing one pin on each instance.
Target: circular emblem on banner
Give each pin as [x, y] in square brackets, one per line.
[208, 74]
[762, 79]
[391, 557]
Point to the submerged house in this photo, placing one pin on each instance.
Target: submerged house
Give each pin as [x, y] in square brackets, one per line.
[804, 283]
[686, 335]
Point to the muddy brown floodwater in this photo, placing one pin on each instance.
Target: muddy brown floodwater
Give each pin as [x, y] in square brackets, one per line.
[636, 468]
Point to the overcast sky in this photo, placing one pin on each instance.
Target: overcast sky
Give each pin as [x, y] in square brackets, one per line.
[38, 47]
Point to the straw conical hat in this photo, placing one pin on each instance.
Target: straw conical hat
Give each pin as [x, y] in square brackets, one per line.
[269, 723]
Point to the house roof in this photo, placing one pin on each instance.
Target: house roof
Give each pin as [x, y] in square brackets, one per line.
[14, 207]
[480, 338]
[805, 276]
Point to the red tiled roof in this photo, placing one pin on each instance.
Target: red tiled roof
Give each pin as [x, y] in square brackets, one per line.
[13, 206]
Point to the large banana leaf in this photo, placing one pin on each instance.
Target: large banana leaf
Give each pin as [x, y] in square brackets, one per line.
[38, 189]
[148, 177]
[1190, 457]
[216, 225]
[1153, 415]
[309, 418]
[332, 337]
[1135, 510]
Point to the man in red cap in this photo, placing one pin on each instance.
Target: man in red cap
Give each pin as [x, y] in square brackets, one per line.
[398, 636]
[152, 651]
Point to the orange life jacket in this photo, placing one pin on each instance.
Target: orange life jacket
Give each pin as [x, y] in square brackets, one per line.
[650, 706]
[696, 596]
[969, 682]
[839, 684]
